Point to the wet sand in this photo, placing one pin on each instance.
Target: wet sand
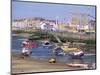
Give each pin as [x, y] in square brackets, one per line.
[30, 65]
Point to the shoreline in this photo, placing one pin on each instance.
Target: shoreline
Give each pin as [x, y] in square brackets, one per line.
[31, 65]
[22, 34]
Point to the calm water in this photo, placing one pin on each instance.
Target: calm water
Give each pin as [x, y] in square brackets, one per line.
[46, 53]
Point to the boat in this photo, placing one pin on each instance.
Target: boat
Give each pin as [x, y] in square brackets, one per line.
[29, 44]
[46, 44]
[59, 52]
[78, 65]
[26, 51]
[34, 37]
[76, 54]
[72, 51]
[65, 47]
[52, 60]
[68, 49]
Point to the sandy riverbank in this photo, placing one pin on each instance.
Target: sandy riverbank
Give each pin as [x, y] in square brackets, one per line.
[28, 65]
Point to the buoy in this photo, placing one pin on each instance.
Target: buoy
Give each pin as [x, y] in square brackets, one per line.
[52, 60]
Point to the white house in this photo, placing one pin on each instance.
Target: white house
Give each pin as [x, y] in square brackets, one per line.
[48, 26]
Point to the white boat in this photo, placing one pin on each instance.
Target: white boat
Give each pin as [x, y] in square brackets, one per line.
[75, 54]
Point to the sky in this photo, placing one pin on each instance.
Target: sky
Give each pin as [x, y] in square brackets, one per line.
[49, 11]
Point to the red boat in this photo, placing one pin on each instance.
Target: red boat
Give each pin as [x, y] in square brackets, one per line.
[31, 45]
[27, 44]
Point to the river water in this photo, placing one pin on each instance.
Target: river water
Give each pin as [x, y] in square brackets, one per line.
[42, 53]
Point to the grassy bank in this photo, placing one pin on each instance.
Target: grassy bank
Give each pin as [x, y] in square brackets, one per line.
[45, 35]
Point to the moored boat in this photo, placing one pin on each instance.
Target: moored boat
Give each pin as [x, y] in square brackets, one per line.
[46, 44]
[76, 54]
[78, 65]
[72, 51]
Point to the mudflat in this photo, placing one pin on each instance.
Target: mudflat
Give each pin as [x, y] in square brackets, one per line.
[30, 65]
